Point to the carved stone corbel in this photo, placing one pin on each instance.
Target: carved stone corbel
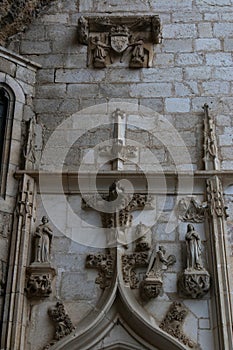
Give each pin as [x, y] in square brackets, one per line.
[39, 280]
[173, 322]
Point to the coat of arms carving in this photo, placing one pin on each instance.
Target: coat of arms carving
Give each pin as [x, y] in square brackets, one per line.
[127, 41]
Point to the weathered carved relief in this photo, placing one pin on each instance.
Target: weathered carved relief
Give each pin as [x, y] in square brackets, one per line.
[191, 210]
[119, 152]
[104, 263]
[211, 159]
[112, 39]
[173, 322]
[129, 263]
[39, 281]
[195, 280]
[63, 323]
[83, 30]
[143, 238]
[33, 144]
[152, 285]
[215, 197]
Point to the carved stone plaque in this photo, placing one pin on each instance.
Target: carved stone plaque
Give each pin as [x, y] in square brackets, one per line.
[124, 40]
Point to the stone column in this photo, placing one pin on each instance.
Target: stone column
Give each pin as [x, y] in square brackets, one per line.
[221, 273]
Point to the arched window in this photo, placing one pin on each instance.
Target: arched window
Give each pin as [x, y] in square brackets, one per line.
[6, 119]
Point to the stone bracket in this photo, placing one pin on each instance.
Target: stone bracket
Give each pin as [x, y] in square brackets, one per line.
[39, 278]
[195, 284]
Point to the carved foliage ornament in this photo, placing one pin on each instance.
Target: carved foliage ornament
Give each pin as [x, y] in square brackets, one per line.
[129, 263]
[104, 264]
[63, 324]
[173, 322]
[118, 38]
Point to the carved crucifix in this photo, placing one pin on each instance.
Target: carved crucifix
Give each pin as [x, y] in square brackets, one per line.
[119, 152]
[115, 209]
[117, 219]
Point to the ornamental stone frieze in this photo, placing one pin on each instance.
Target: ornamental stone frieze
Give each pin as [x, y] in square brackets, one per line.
[194, 282]
[120, 39]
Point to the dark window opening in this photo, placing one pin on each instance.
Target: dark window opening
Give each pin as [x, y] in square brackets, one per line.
[6, 120]
[4, 104]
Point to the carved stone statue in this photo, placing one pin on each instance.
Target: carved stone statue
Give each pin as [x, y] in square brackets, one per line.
[99, 52]
[158, 263]
[43, 238]
[194, 282]
[193, 249]
[138, 55]
[152, 285]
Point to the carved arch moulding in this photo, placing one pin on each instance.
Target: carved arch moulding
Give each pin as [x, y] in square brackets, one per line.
[125, 41]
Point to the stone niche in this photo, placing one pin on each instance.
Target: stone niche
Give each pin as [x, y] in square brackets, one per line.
[125, 41]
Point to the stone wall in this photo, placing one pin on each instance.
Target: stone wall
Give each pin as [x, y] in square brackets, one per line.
[192, 66]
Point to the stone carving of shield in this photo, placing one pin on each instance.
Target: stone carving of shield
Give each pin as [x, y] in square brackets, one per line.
[119, 42]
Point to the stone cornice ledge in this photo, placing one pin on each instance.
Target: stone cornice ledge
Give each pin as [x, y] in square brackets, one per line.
[18, 59]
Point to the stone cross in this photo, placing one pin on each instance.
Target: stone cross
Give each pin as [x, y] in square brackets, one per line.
[119, 151]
